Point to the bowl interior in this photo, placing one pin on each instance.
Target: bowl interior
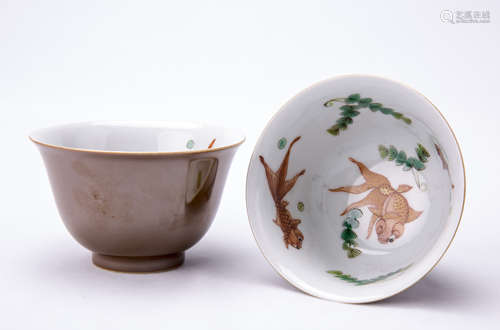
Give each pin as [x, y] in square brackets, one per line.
[392, 169]
[138, 136]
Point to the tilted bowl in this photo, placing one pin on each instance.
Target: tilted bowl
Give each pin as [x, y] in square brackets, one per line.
[355, 188]
[137, 194]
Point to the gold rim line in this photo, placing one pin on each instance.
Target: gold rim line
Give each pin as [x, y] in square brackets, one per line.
[137, 153]
[281, 109]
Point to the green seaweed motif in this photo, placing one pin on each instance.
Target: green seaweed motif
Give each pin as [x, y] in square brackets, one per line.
[400, 158]
[352, 104]
[356, 281]
[348, 235]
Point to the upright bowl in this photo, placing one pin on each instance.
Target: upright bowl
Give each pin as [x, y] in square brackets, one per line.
[355, 188]
[137, 194]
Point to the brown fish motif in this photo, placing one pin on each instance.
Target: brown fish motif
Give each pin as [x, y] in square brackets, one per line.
[390, 209]
[279, 186]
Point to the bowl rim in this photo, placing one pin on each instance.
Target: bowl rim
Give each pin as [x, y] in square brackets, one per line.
[241, 139]
[282, 108]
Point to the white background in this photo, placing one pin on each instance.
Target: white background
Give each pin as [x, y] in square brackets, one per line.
[234, 63]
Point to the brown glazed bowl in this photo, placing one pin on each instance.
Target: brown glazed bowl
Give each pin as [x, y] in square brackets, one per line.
[137, 194]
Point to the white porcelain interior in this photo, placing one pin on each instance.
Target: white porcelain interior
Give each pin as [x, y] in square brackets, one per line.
[380, 270]
[122, 136]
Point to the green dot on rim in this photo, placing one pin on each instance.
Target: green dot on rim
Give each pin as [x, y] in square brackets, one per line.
[282, 143]
[300, 206]
[190, 144]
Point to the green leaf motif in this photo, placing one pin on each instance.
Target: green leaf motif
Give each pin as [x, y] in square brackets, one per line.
[351, 222]
[393, 153]
[334, 130]
[350, 108]
[355, 213]
[335, 272]
[397, 115]
[411, 162]
[401, 158]
[347, 107]
[350, 113]
[348, 235]
[406, 120]
[352, 243]
[417, 164]
[375, 106]
[344, 121]
[352, 254]
[422, 153]
[353, 98]
[364, 102]
[383, 151]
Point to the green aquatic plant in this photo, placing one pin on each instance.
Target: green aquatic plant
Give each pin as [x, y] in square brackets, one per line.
[400, 158]
[422, 153]
[348, 235]
[356, 281]
[352, 104]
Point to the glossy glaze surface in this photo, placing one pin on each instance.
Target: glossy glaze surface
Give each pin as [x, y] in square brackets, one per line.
[357, 179]
[137, 205]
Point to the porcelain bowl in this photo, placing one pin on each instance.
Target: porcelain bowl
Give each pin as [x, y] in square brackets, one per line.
[355, 188]
[137, 194]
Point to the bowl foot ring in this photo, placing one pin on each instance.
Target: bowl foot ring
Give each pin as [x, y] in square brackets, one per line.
[138, 264]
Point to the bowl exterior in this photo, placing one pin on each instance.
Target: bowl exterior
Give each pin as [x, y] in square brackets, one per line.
[137, 205]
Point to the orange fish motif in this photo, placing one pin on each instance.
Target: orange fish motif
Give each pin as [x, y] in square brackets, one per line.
[390, 209]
